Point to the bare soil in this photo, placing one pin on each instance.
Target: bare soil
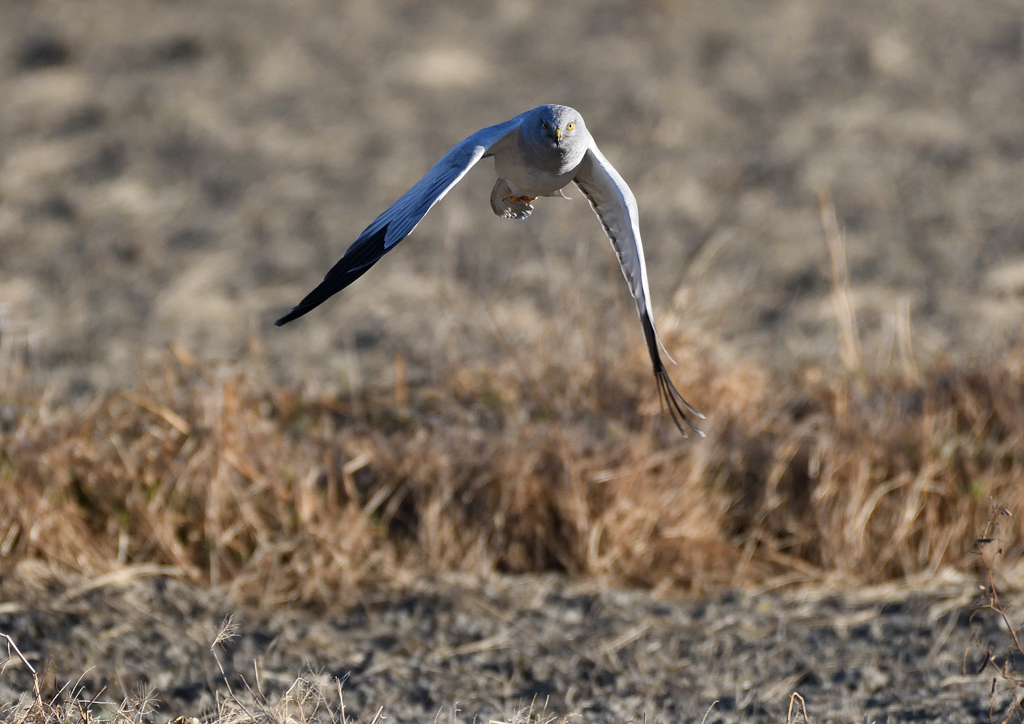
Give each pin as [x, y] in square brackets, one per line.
[490, 646]
[187, 170]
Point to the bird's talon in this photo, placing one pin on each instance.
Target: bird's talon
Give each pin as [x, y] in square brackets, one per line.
[524, 199]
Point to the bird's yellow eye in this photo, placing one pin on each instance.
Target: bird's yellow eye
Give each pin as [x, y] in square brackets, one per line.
[571, 126]
[544, 126]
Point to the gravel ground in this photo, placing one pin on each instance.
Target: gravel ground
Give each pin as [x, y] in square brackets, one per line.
[890, 654]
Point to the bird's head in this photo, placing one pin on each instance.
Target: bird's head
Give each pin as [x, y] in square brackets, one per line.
[560, 126]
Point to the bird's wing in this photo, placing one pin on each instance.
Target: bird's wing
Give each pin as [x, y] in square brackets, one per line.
[616, 207]
[402, 216]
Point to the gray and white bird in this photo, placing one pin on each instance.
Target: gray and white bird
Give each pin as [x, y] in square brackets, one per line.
[537, 153]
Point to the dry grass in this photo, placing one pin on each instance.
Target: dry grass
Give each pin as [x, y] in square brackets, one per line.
[557, 457]
[539, 463]
[312, 698]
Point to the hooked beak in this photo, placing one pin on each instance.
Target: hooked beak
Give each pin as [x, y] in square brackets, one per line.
[558, 135]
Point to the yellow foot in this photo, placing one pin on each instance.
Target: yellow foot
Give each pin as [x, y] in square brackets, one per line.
[525, 199]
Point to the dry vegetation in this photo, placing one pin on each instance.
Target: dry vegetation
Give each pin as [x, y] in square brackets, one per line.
[207, 167]
[547, 461]
[184, 170]
[312, 699]
[309, 700]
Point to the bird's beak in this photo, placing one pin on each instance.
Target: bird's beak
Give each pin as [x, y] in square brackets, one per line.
[558, 135]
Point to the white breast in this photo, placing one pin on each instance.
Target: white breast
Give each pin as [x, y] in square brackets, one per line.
[536, 176]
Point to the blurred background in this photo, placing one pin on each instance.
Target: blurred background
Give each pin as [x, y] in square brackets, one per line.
[185, 171]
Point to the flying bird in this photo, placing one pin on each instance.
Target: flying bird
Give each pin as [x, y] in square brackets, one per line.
[537, 153]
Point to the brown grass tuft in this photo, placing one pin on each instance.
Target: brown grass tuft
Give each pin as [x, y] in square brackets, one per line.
[535, 464]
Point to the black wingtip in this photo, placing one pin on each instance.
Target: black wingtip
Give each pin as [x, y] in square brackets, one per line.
[292, 315]
[356, 260]
[300, 309]
[677, 406]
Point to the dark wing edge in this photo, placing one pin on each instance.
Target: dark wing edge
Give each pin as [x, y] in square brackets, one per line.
[670, 396]
[615, 207]
[401, 217]
[363, 254]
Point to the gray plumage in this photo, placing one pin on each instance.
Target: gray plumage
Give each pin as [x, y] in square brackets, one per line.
[537, 153]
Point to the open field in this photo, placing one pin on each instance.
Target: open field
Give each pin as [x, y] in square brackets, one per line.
[522, 467]
[186, 171]
[325, 523]
[889, 653]
[453, 482]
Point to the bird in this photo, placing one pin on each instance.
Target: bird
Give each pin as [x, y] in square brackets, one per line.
[536, 154]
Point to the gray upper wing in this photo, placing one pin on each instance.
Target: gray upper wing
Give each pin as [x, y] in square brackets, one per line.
[616, 208]
[402, 216]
